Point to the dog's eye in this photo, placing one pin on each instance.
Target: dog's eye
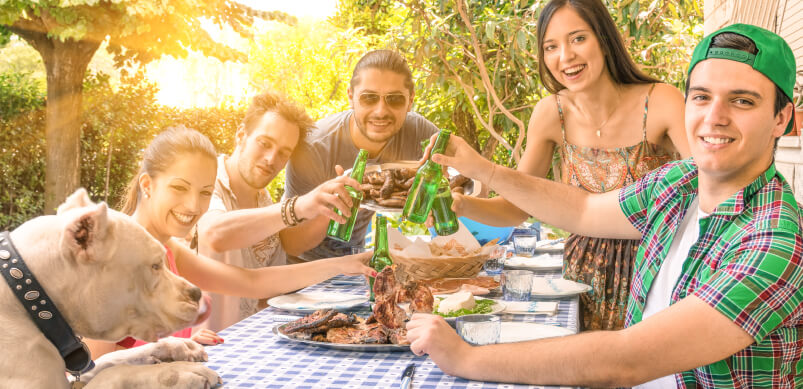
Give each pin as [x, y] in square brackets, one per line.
[156, 266]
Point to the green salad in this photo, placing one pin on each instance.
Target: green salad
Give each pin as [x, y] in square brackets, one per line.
[483, 306]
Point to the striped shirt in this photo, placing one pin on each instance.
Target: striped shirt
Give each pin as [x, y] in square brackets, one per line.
[746, 264]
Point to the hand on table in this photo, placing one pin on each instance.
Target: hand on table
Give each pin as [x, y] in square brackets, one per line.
[207, 337]
[431, 334]
[326, 197]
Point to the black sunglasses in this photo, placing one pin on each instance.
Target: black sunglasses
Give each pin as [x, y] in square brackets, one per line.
[393, 100]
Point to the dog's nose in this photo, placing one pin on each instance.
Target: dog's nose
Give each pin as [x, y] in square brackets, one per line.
[194, 293]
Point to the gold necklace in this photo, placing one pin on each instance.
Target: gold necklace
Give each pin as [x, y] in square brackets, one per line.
[604, 122]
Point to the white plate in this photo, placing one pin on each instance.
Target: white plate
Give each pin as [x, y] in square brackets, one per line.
[312, 301]
[538, 262]
[522, 331]
[557, 287]
[531, 307]
[550, 246]
[498, 307]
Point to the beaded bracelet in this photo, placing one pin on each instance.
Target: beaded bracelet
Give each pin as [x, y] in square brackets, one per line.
[293, 216]
[283, 207]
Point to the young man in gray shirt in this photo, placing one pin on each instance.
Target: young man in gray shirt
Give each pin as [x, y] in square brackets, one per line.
[380, 121]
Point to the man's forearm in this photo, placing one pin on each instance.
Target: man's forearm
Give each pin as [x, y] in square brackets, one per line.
[223, 231]
[591, 359]
[306, 236]
[564, 206]
[494, 212]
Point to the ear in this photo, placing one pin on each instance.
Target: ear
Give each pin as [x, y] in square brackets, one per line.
[410, 103]
[239, 136]
[145, 184]
[782, 120]
[351, 96]
[79, 199]
[85, 231]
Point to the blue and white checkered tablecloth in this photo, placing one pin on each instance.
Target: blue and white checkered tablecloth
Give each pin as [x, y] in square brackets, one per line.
[253, 357]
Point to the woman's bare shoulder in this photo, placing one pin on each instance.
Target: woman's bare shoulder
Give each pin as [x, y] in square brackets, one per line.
[545, 120]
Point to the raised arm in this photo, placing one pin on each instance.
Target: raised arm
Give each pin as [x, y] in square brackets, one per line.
[229, 230]
[543, 133]
[564, 206]
[684, 336]
[266, 282]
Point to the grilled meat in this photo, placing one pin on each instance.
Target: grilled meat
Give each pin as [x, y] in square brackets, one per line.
[360, 334]
[422, 300]
[387, 312]
[309, 322]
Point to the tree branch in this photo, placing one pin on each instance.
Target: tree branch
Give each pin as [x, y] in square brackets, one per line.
[461, 9]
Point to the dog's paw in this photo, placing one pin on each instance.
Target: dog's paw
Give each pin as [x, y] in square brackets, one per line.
[174, 375]
[173, 349]
[188, 375]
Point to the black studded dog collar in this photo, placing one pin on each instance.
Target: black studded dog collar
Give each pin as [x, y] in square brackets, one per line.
[41, 308]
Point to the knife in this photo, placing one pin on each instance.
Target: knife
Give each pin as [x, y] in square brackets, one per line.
[407, 377]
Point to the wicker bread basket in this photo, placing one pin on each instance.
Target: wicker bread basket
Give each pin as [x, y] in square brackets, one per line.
[415, 269]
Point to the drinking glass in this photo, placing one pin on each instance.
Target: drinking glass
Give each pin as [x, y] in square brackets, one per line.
[517, 285]
[496, 261]
[479, 330]
[524, 245]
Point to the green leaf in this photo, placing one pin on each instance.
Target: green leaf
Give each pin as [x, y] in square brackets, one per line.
[521, 40]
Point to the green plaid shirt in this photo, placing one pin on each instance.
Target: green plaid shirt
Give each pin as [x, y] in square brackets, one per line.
[746, 264]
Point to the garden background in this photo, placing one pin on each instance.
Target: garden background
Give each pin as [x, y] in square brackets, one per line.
[474, 64]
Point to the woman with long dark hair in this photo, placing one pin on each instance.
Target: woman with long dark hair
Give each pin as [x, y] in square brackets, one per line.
[597, 120]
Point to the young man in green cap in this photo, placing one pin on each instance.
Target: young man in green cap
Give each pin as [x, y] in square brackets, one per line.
[716, 299]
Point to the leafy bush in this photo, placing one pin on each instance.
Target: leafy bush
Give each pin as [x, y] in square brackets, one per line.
[117, 125]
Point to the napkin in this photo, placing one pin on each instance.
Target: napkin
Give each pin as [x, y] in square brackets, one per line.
[533, 307]
[460, 244]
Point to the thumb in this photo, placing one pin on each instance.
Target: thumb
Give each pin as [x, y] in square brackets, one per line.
[339, 170]
[443, 160]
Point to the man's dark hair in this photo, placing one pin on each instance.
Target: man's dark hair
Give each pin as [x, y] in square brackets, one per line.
[270, 101]
[383, 60]
[618, 61]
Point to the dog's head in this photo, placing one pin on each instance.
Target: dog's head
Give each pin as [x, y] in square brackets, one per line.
[106, 273]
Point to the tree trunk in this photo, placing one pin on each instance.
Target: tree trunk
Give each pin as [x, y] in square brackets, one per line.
[66, 63]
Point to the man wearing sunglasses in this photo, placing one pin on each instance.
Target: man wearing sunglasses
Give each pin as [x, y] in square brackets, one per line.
[380, 121]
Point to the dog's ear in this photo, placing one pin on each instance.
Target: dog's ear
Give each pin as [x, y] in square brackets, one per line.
[84, 232]
[79, 199]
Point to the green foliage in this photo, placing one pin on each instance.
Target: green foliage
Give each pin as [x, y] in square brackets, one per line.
[137, 30]
[117, 125]
[21, 149]
[311, 63]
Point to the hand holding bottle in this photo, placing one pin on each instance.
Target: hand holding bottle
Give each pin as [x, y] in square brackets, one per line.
[464, 158]
[356, 264]
[326, 197]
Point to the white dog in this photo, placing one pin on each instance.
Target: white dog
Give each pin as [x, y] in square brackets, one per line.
[107, 277]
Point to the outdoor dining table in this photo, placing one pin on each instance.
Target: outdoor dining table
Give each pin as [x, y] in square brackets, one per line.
[253, 357]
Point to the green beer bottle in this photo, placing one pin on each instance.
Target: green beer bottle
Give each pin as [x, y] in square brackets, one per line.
[445, 219]
[381, 257]
[342, 232]
[425, 185]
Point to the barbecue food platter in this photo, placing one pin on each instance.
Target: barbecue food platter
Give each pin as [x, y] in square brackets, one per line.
[385, 185]
[364, 347]
[383, 331]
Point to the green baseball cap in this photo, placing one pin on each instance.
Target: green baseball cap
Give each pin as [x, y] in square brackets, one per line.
[774, 59]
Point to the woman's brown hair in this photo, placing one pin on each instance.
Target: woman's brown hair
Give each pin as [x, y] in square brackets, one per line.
[620, 66]
[163, 151]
